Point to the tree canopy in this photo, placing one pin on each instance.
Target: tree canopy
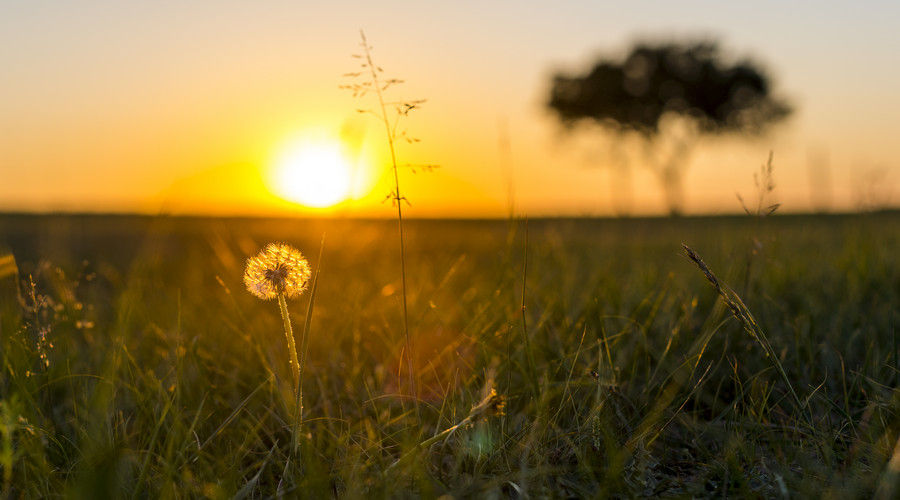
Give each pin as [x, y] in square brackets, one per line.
[690, 80]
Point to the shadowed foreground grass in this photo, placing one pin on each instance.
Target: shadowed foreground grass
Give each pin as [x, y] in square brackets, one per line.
[137, 365]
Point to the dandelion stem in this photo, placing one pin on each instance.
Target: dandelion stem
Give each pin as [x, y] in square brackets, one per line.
[289, 335]
[296, 370]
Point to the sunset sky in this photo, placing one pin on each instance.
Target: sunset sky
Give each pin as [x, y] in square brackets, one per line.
[187, 107]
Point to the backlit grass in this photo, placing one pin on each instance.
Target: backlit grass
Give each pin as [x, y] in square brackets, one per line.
[137, 365]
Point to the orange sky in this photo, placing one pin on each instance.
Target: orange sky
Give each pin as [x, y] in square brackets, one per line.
[177, 108]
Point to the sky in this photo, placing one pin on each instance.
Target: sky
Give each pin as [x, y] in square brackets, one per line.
[186, 107]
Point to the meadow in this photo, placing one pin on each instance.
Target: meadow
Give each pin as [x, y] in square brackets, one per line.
[137, 365]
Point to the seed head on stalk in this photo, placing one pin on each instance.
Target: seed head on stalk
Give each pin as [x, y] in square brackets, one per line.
[371, 80]
[492, 405]
[280, 272]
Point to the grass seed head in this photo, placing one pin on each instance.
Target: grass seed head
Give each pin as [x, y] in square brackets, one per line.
[695, 257]
[493, 405]
[278, 268]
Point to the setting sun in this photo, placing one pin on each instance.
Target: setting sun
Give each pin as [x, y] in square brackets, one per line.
[313, 174]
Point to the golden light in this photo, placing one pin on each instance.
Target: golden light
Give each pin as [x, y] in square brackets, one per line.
[315, 174]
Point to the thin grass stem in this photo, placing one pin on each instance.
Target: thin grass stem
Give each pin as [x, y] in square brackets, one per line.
[529, 354]
[748, 322]
[398, 199]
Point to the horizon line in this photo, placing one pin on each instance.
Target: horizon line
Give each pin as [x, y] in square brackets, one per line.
[516, 217]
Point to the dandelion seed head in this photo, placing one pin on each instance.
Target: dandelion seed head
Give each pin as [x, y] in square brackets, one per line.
[278, 268]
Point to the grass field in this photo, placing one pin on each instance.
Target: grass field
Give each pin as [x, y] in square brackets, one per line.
[137, 364]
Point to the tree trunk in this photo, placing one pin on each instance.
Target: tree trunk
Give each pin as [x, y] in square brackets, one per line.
[620, 186]
[672, 179]
[671, 175]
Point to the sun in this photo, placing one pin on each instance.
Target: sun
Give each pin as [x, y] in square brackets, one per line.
[313, 174]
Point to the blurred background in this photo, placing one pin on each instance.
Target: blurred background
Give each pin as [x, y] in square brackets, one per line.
[233, 108]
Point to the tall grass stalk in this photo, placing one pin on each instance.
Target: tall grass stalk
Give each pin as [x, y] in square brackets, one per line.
[529, 354]
[398, 199]
[764, 182]
[748, 322]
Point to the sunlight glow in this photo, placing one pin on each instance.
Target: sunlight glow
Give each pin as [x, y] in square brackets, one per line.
[314, 174]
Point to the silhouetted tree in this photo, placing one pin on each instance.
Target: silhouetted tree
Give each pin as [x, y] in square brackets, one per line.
[668, 95]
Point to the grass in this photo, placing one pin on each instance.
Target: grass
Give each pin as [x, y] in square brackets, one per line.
[165, 378]
[369, 82]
